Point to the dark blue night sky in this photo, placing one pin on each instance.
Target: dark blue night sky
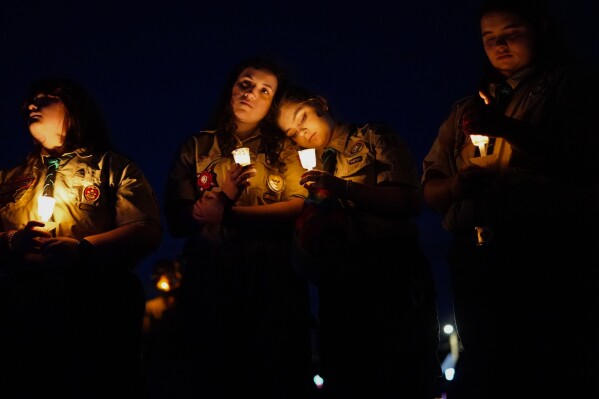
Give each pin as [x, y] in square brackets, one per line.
[157, 68]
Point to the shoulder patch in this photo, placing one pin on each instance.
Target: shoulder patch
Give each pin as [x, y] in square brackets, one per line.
[355, 160]
[356, 148]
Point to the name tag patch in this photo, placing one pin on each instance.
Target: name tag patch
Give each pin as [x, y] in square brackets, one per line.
[355, 160]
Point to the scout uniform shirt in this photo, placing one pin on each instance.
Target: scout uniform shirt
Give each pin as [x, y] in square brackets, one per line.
[544, 100]
[94, 194]
[373, 154]
[201, 167]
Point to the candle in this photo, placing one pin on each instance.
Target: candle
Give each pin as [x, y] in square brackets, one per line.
[45, 207]
[242, 156]
[308, 158]
[481, 142]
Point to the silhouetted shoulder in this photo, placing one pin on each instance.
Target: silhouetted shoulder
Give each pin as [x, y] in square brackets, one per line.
[378, 128]
[464, 101]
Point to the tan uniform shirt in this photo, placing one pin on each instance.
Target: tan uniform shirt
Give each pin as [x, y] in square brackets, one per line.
[200, 166]
[373, 155]
[94, 194]
[561, 150]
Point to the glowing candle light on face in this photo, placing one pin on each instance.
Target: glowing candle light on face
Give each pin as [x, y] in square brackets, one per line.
[481, 142]
[242, 156]
[45, 207]
[308, 158]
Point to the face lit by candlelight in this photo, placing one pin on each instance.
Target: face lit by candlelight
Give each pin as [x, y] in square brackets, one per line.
[46, 121]
[252, 95]
[306, 123]
[508, 42]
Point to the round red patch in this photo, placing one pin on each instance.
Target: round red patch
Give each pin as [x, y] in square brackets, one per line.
[206, 180]
[91, 193]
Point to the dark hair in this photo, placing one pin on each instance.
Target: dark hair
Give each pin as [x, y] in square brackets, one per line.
[223, 119]
[296, 94]
[549, 42]
[85, 124]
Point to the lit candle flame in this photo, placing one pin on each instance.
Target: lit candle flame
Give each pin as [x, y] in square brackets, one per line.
[163, 284]
[308, 158]
[242, 156]
[45, 207]
[481, 142]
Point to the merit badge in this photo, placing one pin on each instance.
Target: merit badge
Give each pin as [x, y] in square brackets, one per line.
[207, 180]
[275, 183]
[91, 193]
[356, 148]
[355, 160]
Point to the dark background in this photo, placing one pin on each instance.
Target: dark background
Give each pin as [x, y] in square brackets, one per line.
[157, 69]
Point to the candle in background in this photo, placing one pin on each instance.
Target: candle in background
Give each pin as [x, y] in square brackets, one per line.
[242, 156]
[308, 158]
[481, 142]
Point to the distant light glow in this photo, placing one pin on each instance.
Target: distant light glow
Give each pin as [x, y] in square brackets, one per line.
[447, 328]
[163, 284]
[448, 363]
[449, 373]
[318, 381]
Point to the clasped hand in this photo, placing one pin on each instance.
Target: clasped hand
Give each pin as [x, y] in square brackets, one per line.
[237, 179]
[315, 180]
[37, 246]
[209, 209]
[485, 119]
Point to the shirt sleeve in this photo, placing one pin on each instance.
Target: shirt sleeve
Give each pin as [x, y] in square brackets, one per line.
[396, 163]
[440, 157]
[135, 198]
[182, 180]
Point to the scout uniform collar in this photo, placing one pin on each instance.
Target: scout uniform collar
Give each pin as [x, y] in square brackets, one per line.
[519, 76]
[339, 137]
[67, 155]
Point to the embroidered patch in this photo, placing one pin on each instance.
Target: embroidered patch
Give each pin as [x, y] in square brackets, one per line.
[91, 193]
[275, 183]
[355, 160]
[207, 179]
[269, 197]
[87, 207]
[356, 148]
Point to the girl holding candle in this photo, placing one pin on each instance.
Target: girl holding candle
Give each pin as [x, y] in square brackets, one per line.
[357, 236]
[247, 312]
[520, 218]
[71, 305]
